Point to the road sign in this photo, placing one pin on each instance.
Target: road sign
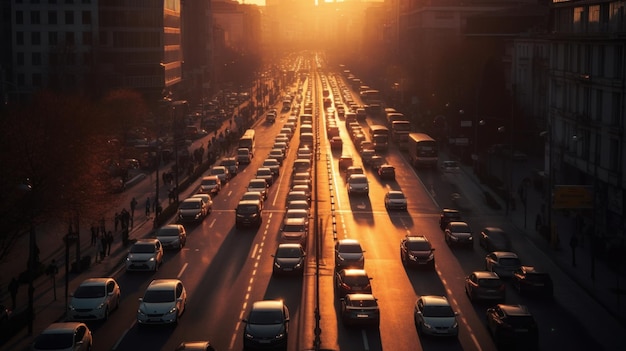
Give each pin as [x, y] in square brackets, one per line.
[572, 196]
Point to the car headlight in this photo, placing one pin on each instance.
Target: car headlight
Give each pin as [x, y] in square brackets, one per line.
[298, 265]
[172, 310]
[340, 258]
[140, 311]
[454, 237]
[71, 308]
[276, 264]
[198, 215]
[101, 305]
[152, 259]
[280, 335]
[470, 238]
[455, 325]
[249, 336]
[427, 326]
[431, 256]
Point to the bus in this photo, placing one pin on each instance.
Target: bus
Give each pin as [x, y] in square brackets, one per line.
[371, 96]
[379, 136]
[423, 150]
[400, 133]
[247, 140]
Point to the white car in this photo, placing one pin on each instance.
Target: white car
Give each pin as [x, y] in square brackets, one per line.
[434, 316]
[68, 336]
[450, 167]
[94, 299]
[297, 213]
[221, 172]
[145, 255]
[163, 302]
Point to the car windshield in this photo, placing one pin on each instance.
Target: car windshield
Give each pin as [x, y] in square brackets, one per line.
[350, 248]
[142, 248]
[438, 311]
[361, 280]
[396, 196]
[186, 205]
[363, 303]
[209, 181]
[159, 296]
[459, 228]
[247, 209]
[288, 252]
[293, 228]
[358, 180]
[217, 171]
[509, 261]
[418, 246]
[167, 232]
[302, 205]
[265, 317]
[490, 283]
[257, 185]
[251, 196]
[88, 292]
[56, 341]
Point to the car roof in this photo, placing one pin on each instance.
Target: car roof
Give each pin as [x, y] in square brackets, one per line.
[485, 275]
[353, 272]
[361, 296]
[435, 300]
[348, 242]
[256, 180]
[145, 241]
[95, 281]
[192, 199]
[268, 305]
[250, 202]
[395, 192]
[357, 176]
[290, 245]
[160, 284]
[210, 177]
[416, 238]
[514, 310]
[492, 230]
[450, 211]
[505, 254]
[62, 327]
[295, 221]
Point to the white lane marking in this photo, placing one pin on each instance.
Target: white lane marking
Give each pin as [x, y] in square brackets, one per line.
[182, 270]
[212, 222]
[256, 247]
[366, 345]
[454, 303]
[230, 192]
[117, 343]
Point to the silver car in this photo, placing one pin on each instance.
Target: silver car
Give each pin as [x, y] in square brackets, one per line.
[434, 316]
[94, 299]
[172, 236]
[163, 302]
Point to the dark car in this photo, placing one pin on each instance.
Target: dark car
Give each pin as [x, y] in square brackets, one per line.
[528, 280]
[267, 325]
[417, 251]
[349, 254]
[504, 263]
[289, 258]
[387, 172]
[336, 143]
[231, 164]
[513, 325]
[483, 285]
[459, 233]
[248, 214]
[494, 239]
[352, 281]
[361, 309]
[448, 215]
[265, 174]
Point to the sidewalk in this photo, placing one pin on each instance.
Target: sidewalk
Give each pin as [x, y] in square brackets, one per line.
[47, 309]
[602, 284]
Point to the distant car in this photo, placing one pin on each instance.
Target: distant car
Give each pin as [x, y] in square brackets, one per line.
[265, 174]
[494, 239]
[192, 210]
[252, 195]
[277, 154]
[459, 233]
[221, 172]
[302, 178]
[305, 153]
[361, 309]
[294, 230]
[336, 143]
[210, 185]
[259, 185]
[289, 258]
[297, 196]
[163, 302]
[375, 162]
[94, 299]
[301, 165]
[173, 236]
[145, 255]
[67, 336]
[349, 254]
[395, 200]
[299, 205]
[345, 161]
[207, 199]
[448, 215]
[244, 155]
[416, 250]
[297, 213]
[513, 326]
[504, 263]
[387, 172]
[366, 156]
[267, 325]
[485, 285]
[450, 167]
[273, 165]
[352, 281]
[357, 184]
[195, 346]
[231, 164]
[530, 281]
[434, 316]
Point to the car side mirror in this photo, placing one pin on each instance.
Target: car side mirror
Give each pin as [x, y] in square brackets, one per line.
[141, 299]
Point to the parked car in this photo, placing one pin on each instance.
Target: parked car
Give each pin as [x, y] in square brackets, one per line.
[513, 325]
[360, 309]
[145, 255]
[352, 281]
[267, 325]
[530, 281]
[395, 200]
[434, 316]
[416, 250]
[94, 299]
[163, 302]
[67, 336]
[494, 239]
[459, 233]
[289, 258]
[484, 285]
[448, 215]
[172, 236]
[504, 263]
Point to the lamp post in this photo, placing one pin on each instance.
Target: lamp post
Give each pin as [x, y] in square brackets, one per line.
[475, 157]
[33, 255]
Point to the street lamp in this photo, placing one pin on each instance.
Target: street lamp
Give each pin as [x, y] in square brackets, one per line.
[33, 255]
[475, 155]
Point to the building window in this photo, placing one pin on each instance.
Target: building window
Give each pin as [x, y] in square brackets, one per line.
[36, 59]
[614, 155]
[87, 38]
[53, 59]
[35, 18]
[69, 38]
[19, 59]
[35, 38]
[616, 109]
[53, 38]
[19, 17]
[69, 17]
[599, 107]
[36, 80]
[21, 79]
[86, 15]
[601, 58]
[617, 61]
[19, 38]
[52, 17]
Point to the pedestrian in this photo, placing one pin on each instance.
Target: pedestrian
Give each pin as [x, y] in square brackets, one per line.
[94, 233]
[133, 204]
[109, 240]
[117, 220]
[52, 271]
[13, 286]
[103, 239]
[148, 206]
[102, 227]
[159, 209]
[99, 249]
